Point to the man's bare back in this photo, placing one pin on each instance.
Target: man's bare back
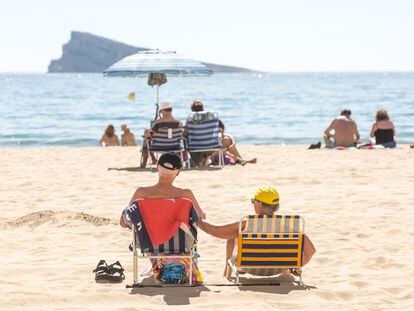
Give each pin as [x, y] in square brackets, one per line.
[162, 192]
[346, 132]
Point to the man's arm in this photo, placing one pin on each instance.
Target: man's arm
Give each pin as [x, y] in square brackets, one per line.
[229, 231]
[189, 195]
[137, 194]
[329, 129]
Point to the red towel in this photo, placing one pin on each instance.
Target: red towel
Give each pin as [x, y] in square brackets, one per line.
[163, 217]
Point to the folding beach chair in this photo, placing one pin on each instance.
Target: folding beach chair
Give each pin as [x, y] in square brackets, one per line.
[204, 134]
[167, 140]
[162, 228]
[269, 244]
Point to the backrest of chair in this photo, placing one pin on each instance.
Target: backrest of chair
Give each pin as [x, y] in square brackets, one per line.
[203, 131]
[271, 241]
[181, 242]
[161, 141]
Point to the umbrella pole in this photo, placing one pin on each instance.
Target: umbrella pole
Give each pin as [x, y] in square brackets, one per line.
[157, 104]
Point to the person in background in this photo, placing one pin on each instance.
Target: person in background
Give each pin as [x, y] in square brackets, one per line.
[342, 132]
[231, 153]
[199, 158]
[109, 138]
[166, 120]
[128, 138]
[383, 130]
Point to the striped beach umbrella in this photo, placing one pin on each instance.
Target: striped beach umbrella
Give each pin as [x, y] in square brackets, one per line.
[155, 61]
[157, 64]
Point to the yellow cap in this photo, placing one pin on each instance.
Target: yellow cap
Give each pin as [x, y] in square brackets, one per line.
[268, 195]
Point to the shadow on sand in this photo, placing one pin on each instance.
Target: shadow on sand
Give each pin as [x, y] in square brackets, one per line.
[132, 169]
[181, 295]
[153, 169]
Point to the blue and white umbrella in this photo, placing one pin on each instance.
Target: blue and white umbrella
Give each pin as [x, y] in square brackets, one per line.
[157, 65]
[155, 61]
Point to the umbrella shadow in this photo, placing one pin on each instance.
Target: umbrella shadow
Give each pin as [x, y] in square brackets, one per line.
[132, 169]
[153, 170]
[203, 168]
[173, 295]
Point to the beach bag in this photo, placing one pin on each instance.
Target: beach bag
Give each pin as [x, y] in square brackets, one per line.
[175, 271]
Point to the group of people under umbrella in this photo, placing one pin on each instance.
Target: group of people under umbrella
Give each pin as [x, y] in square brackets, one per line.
[167, 122]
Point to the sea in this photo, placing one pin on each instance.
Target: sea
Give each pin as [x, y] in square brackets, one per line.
[42, 110]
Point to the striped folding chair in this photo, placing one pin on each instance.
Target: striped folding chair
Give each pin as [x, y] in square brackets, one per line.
[167, 140]
[204, 134]
[153, 219]
[269, 244]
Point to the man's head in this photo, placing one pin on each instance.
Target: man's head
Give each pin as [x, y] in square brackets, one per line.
[166, 108]
[266, 201]
[346, 113]
[197, 106]
[169, 165]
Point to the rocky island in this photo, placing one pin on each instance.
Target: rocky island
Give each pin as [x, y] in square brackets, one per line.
[86, 52]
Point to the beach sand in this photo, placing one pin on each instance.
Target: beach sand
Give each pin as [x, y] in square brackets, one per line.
[60, 208]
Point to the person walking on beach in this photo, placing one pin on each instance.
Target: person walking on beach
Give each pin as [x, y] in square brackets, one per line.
[264, 202]
[383, 130]
[168, 168]
[128, 138]
[166, 120]
[109, 138]
[342, 132]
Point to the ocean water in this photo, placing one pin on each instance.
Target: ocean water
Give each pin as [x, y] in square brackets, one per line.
[290, 108]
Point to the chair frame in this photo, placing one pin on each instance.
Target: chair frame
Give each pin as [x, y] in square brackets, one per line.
[220, 151]
[234, 267]
[137, 257]
[157, 152]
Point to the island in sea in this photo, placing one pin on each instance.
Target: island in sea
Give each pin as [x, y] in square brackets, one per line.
[86, 52]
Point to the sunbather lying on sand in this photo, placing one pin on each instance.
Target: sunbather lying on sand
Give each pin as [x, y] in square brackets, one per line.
[168, 168]
[265, 202]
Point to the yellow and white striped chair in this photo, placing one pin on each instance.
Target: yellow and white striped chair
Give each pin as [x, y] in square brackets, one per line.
[269, 244]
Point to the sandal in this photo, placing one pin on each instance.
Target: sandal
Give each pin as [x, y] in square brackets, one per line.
[101, 271]
[115, 272]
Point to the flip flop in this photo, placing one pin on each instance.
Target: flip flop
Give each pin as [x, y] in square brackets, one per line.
[115, 272]
[101, 271]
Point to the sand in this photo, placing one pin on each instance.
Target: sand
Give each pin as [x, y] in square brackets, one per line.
[60, 207]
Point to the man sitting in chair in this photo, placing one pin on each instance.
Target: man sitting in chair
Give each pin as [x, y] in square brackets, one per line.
[199, 158]
[166, 120]
[168, 168]
[265, 202]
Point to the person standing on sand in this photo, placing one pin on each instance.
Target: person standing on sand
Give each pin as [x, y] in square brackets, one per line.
[109, 138]
[128, 138]
[343, 131]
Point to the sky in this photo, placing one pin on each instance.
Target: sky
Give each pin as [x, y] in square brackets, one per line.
[268, 35]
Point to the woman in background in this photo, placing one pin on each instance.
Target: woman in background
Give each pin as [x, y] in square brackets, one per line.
[128, 138]
[109, 138]
[383, 130]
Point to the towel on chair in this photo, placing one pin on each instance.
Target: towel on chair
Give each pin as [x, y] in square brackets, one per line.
[159, 219]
